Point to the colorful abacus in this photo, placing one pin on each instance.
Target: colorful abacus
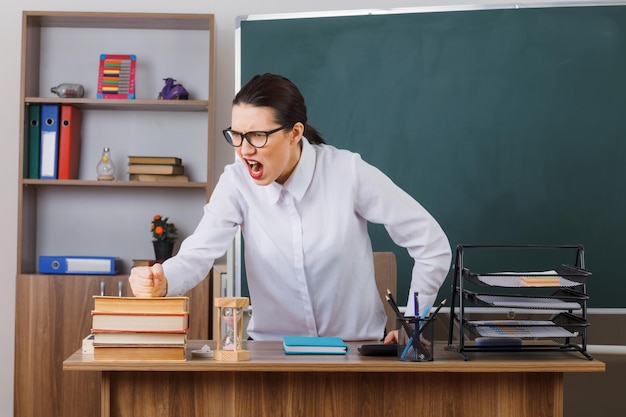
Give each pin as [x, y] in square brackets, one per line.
[116, 76]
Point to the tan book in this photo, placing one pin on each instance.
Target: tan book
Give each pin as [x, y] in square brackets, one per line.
[161, 160]
[139, 353]
[156, 169]
[143, 262]
[138, 338]
[139, 322]
[176, 305]
[158, 177]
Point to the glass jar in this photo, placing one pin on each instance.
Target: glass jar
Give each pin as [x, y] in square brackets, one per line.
[68, 90]
[105, 167]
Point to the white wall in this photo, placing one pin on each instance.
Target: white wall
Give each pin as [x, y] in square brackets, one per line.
[10, 45]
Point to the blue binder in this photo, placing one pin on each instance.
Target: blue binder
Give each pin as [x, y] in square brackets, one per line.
[78, 265]
[49, 150]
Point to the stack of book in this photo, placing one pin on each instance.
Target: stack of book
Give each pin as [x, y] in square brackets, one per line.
[156, 168]
[130, 328]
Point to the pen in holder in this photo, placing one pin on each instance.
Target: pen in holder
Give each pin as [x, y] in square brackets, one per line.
[415, 339]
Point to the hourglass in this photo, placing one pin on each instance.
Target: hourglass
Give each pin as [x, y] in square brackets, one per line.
[230, 310]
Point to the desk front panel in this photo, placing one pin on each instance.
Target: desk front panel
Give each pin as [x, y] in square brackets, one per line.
[261, 394]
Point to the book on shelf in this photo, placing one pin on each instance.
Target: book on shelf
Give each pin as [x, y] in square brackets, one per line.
[156, 169]
[139, 353]
[144, 262]
[158, 177]
[155, 160]
[138, 338]
[162, 305]
[308, 345]
[155, 322]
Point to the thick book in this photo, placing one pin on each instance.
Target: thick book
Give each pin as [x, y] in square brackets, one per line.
[154, 322]
[162, 160]
[311, 345]
[138, 338]
[158, 177]
[175, 305]
[138, 353]
[156, 169]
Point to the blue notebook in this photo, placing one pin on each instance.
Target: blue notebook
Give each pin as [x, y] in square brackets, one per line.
[314, 345]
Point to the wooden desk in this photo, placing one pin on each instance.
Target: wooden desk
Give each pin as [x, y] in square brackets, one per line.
[274, 384]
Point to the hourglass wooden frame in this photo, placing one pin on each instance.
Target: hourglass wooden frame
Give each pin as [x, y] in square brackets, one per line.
[237, 354]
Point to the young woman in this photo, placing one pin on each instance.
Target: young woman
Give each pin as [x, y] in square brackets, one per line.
[303, 208]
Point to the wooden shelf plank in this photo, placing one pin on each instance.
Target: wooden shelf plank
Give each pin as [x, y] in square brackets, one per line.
[96, 183]
[116, 104]
[120, 20]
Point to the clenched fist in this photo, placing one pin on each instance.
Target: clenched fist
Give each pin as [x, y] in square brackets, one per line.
[148, 281]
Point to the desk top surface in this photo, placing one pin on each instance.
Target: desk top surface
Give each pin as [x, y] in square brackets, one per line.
[269, 357]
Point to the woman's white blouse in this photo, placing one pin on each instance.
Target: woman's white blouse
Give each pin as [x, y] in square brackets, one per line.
[308, 256]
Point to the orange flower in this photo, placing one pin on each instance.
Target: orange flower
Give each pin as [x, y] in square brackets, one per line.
[162, 230]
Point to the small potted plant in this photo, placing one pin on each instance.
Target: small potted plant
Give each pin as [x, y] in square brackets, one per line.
[164, 235]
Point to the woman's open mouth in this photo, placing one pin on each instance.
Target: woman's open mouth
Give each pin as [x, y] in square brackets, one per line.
[255, 169]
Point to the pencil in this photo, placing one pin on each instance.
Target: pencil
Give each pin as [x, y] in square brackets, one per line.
[439, 307]
[395, 308]
[392, 302]
[433, 316]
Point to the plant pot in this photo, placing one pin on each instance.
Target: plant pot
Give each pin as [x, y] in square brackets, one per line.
[163, 250]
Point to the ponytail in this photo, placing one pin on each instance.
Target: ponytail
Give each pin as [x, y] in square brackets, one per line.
[313, 135]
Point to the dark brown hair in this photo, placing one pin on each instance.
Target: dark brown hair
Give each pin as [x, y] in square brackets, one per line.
[281, 95]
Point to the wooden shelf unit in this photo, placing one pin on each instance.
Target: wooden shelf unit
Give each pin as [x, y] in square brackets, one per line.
[56, 217]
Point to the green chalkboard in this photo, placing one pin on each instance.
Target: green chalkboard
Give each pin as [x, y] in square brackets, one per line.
[508, 125]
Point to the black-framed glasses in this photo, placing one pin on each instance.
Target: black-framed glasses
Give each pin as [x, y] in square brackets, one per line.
[256, 138]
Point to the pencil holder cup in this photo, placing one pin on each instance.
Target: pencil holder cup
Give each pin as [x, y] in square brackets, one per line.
[415, 339]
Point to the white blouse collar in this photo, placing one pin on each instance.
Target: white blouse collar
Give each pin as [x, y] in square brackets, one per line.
[300, 178]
